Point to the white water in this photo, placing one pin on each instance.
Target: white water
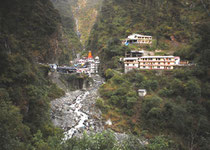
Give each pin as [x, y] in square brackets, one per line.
[82, 117]
[76, 111]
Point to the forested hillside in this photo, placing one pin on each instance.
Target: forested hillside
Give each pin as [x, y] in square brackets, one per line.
[177, 103]
[29, 33]
[174, 24]
[174, 115]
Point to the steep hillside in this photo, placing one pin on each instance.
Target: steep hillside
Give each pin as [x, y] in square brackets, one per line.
[70, 44]
[78, 18]
[85, 13]
[29, 33]
[177, 101]
[37, 28]
[173, 24]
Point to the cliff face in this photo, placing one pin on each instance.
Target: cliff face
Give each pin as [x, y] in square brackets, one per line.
[85, 13]
[70, 43]
[29, 27]
[78, 16]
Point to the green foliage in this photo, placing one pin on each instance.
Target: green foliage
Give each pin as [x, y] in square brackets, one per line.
[111, 53]
[160, 143]
[178, 109]
[151, 111]
[132, 143]
[109, 73]
[14, 134]
[149, 85]
[99, 141]
[170, 23]
[27, 30]
[193, 90]
[118, 92]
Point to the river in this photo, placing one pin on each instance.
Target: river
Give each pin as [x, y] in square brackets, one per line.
[76, 111]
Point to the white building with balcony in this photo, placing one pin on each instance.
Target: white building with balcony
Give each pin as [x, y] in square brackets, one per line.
[157, 62]
[133, 60]
[138, 39]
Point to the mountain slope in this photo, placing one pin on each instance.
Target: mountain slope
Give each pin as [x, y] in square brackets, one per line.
[30, 32]
[78, 16]
[70, 41]
[85, 13]
[173, 24]
[177, 101]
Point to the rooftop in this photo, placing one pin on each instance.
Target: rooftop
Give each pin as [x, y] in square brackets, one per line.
[157, 56]
[139, 35]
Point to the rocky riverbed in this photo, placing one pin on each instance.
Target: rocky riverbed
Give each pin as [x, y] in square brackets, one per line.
[76, 111]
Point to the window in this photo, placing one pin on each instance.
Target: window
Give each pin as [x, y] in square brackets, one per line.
[158, 67]
[144, 67]
[158, 62]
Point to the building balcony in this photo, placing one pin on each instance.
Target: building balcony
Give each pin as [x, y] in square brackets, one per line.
[157, 65]
[156, 60]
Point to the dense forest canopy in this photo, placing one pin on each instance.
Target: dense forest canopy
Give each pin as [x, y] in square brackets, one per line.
[28, 32]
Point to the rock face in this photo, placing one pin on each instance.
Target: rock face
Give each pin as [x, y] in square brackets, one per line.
[76, 111]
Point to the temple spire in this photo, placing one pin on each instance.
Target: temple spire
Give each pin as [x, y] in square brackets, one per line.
[90, 55]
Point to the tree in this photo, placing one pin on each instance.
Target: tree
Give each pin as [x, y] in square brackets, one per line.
[160, 143]
[13, 133]
[193, 90]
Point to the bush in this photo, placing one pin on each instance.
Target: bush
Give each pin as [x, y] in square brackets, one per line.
[165, 92]
[177, 87]
[161, 143]
[149, 103]
[109, 74]
[149, 85]
[193, 90]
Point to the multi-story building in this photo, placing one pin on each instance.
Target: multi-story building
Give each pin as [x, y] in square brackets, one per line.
[131, 60]
[138, 61]
[138, 39]
[157, 62]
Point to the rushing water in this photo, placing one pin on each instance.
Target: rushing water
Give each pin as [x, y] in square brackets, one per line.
[76, 111]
